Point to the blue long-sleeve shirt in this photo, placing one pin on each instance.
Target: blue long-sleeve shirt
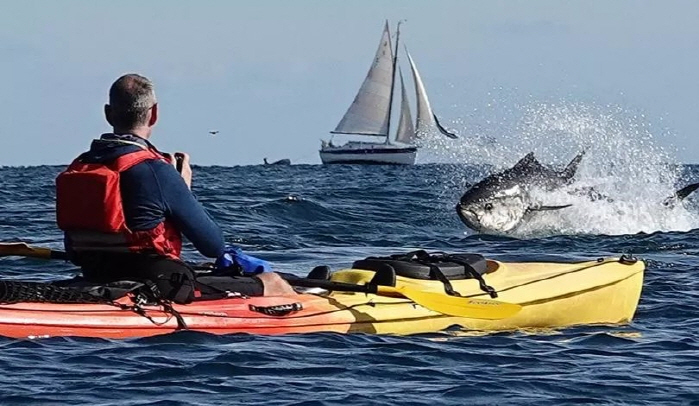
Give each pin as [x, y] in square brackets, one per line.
[153, 191]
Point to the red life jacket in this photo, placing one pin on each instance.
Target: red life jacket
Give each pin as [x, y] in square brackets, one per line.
[89, 209]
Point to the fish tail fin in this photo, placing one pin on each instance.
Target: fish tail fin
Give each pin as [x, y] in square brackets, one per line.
[686, 191]
[681, 194]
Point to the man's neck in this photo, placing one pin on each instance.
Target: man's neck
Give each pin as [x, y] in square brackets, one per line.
[141, 132]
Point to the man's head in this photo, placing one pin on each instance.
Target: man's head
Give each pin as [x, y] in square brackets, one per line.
[132, 106]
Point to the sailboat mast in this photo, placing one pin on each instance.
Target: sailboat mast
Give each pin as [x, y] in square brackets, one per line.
[393, 84]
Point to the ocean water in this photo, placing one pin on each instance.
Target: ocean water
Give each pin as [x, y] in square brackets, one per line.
[307, 215]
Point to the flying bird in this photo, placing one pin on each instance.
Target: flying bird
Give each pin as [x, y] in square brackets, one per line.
[213, 132]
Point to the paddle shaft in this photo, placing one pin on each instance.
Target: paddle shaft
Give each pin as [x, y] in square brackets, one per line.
[329, 285]
[440, 303]
[21, 249]
[58, 255]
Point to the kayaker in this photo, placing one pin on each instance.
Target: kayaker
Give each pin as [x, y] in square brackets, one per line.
[124, 208]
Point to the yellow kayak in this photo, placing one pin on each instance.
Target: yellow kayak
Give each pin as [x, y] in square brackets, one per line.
[605, 291]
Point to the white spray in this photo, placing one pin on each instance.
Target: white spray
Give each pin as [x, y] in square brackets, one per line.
[623, 164]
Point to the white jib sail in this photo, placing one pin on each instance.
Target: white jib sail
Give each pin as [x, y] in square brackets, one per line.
[425, 117]
[368, 114]
[406, 130]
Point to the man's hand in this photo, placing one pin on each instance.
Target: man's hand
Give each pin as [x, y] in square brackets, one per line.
[181, 163]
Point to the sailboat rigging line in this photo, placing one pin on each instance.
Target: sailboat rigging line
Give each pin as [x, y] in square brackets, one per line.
[444, 130]
[393, 84]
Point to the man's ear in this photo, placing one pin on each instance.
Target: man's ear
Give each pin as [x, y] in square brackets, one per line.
[153, 115]
[108, 114]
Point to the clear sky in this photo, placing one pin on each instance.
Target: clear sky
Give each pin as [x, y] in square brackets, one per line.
[275, 76]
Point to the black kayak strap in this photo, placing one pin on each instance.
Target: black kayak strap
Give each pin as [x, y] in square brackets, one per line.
[167, 305]
[474, 274]
[437, 273]
[424, 258]
[417, 256]
[427, 259]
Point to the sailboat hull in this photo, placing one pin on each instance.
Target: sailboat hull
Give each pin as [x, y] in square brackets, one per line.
[369, 153]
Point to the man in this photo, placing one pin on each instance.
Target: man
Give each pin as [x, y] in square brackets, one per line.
[123, 206]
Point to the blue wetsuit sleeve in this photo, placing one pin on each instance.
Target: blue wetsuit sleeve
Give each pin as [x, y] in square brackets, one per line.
[186, 212]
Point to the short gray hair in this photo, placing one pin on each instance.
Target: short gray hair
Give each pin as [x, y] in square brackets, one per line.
[130, 98]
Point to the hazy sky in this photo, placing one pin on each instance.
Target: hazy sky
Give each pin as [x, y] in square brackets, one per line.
[276, 76]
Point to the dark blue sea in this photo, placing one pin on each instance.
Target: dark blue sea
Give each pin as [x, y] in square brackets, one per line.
[307, 215]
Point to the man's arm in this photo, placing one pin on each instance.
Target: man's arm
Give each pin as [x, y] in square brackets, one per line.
[186, 212]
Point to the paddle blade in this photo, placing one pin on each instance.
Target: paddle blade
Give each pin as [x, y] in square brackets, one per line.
[456, 306]
[21, 249]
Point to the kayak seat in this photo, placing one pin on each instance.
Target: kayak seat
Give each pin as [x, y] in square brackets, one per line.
[453, 266]
[321, 272]
[384, 275]
[75, 290]
[111, 290]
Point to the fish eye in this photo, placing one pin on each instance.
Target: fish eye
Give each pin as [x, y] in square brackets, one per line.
[488, 206]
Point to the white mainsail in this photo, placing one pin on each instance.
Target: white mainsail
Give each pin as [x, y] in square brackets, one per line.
[406, 130]
[425, 117]
[369, 112]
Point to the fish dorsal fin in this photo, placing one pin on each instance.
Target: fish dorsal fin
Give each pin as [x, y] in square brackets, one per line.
[529, 162]
[572, 167]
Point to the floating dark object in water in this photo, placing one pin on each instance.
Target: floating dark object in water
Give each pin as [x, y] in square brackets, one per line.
[279, 162]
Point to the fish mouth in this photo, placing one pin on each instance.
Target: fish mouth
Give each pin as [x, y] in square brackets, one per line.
[468, 217]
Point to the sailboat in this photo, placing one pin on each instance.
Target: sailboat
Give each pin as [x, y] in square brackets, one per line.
[370, 115]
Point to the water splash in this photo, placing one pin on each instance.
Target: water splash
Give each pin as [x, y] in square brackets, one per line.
[628, 172]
